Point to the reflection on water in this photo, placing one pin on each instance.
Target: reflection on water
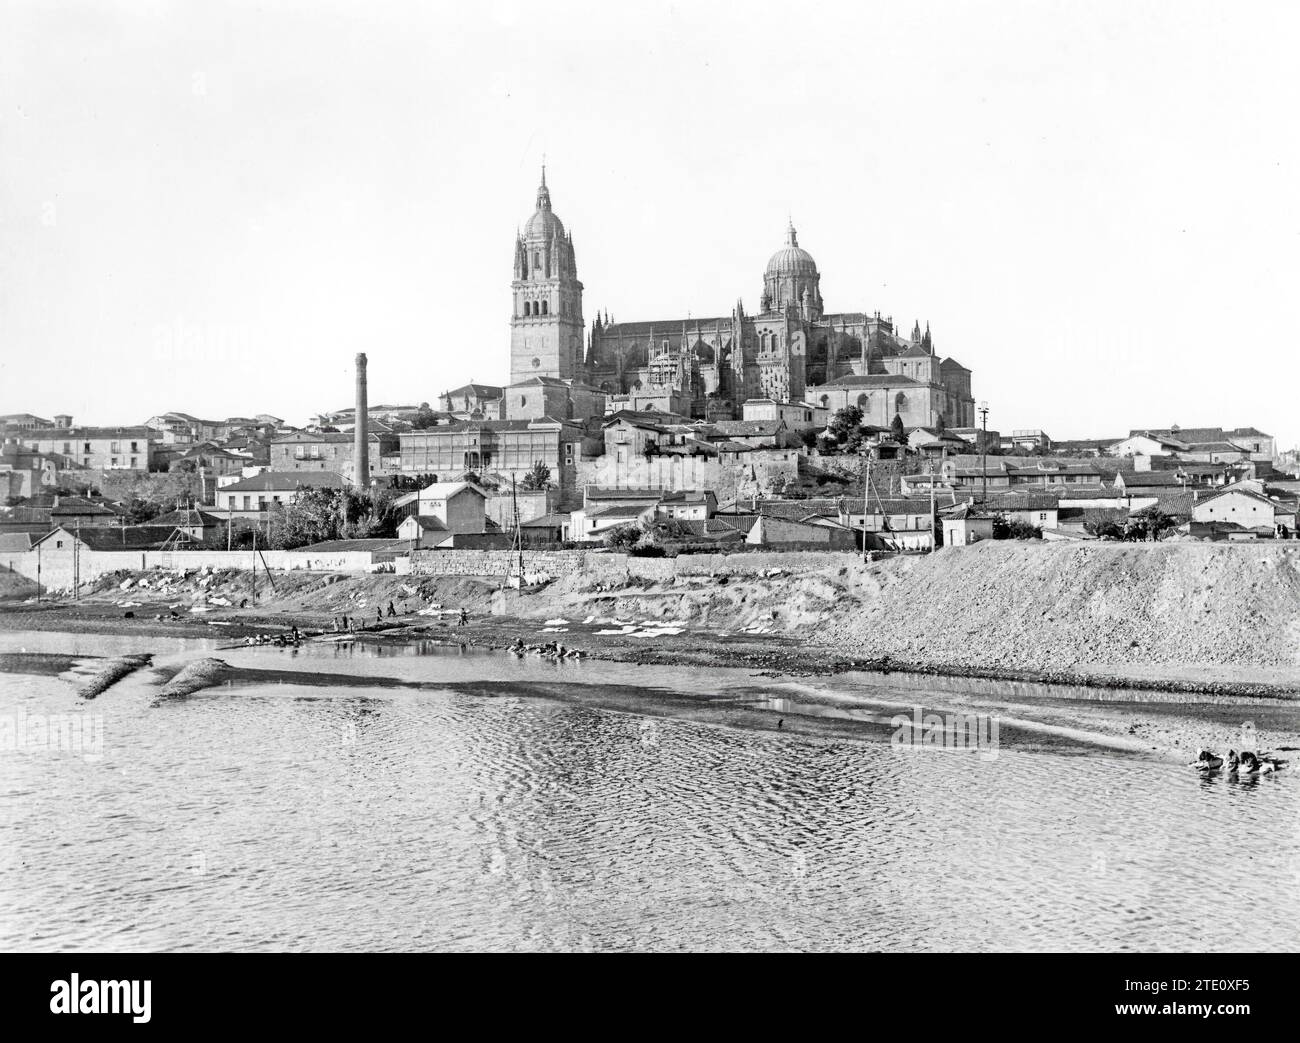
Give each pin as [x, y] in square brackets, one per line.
[291, 817]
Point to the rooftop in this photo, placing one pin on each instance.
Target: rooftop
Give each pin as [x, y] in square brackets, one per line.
[281, 480]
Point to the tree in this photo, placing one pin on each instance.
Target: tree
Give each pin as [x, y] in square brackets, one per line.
[845, 422]
[897, 430]
[539, 477]
[139, 511]
[317, 515]
[1015, 530]
[623, 537]
[424, 418]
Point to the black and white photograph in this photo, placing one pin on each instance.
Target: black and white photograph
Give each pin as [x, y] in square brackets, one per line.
[650, 478]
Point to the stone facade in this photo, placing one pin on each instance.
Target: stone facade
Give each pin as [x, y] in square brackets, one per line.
[791, 351]
[329, 451]
[546, 329]
[501, 449]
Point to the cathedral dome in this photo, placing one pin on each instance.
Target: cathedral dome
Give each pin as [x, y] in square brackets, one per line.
[543, 225]
[791, 259]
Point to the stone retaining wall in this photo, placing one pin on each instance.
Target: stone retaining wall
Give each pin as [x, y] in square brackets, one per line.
[615, 568]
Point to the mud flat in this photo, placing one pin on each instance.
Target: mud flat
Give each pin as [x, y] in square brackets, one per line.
[108, 672]
[1198, 619]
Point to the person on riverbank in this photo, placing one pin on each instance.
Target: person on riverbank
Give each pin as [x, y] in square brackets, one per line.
[464, 618]
[392, 610]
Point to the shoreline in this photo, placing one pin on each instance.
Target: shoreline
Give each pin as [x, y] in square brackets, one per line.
[767, 654]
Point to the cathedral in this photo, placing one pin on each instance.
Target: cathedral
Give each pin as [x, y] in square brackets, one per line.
[790, 350]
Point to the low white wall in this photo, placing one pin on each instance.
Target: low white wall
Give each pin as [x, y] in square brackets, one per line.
[56, 569]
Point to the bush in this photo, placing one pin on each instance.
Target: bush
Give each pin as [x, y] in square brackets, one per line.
[1015, 530]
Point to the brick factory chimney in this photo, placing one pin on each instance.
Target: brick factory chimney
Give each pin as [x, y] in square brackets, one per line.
[361, 434]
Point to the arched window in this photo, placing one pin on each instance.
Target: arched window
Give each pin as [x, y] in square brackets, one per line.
[545, 307]
[862, 401]
[900, 403]
[537, 259]
[826, 401]
[523, 400]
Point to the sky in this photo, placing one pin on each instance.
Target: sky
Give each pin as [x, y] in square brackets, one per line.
[212, 207]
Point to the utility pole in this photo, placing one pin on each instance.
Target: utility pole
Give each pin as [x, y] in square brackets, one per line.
[984, 450]
[519, 532]
[866, 486]
[933, 545]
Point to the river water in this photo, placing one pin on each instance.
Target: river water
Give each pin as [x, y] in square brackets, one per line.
[510, 804]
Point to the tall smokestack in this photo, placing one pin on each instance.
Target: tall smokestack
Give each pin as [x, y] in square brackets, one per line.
[361, 434]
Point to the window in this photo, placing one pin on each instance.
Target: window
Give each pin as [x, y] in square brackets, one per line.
[113, 462]
[58, 544]
[67, 448]
[86, 448]
[537, 259]
[133, 461]
[545, 307]
[135, 447]
[246, 499]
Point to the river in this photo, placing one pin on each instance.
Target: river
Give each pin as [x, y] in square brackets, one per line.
[520, 804]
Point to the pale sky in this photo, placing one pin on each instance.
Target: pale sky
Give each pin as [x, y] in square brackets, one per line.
[211, 207]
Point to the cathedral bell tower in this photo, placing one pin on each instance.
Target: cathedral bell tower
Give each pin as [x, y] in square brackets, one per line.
[546, 329]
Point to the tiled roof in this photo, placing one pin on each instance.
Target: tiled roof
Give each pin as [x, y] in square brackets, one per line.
[1017, 501]
[120, 537]
[188, 516]
[667, 329]
[1151, 480]
[1172, 503]
[80, 508]
[446, 490]
[1236, 491]
[873, 380]
[428, 523]
[497, 426]
[16, 542]
[619, 510]
[330, 437]
[73, 433]
[748, 427]
[269, 481]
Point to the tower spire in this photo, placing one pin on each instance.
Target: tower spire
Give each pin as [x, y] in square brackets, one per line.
[543, 193]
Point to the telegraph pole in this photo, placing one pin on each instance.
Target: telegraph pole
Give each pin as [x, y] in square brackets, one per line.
[866, 487]
[984, 449]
